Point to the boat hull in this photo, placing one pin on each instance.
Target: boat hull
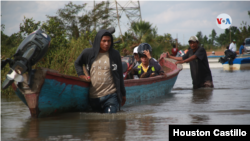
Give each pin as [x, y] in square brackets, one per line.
[238, 64]
[60, 93]
[140, 93]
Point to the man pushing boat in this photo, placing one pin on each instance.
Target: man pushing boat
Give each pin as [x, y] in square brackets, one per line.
[197, 58]
[107, 92]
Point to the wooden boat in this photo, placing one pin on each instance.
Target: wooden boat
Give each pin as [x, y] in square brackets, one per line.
[54, 93]
[238, 64]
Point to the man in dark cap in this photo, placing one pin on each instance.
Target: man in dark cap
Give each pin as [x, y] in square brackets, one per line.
[197, 58]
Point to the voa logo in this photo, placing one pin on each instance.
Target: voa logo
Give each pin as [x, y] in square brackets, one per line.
[223, 21]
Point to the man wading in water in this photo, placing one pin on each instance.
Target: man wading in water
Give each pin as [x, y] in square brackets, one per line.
[103, 63]
[197, 58]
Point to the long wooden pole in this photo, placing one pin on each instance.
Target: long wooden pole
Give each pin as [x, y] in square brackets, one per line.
[118, 21]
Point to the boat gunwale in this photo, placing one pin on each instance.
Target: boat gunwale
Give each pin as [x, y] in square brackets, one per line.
[50, 74]
[128, 82]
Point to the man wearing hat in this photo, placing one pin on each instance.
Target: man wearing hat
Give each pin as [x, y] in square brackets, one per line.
[232, 46]
[197, 58]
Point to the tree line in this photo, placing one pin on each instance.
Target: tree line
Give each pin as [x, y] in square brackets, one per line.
[215, 41]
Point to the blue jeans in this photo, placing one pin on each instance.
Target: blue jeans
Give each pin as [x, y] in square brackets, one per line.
[105, 104]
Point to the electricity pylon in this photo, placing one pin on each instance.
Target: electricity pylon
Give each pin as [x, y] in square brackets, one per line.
[131, 9]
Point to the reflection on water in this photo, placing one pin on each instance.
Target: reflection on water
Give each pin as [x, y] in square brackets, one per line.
[227, 103]
[199, 119]
[30, 129]
[147, 125]
[73, 127]
[202, 95]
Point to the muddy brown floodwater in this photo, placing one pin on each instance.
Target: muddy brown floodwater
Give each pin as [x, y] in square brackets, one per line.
[227, 103]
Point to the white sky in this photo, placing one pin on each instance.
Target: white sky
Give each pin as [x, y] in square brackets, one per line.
[184, 18]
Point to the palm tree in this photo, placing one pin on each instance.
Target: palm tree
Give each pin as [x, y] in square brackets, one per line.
[141, 29]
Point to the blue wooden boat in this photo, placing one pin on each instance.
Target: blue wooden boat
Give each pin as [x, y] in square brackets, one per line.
[54, 93]
[237, 64]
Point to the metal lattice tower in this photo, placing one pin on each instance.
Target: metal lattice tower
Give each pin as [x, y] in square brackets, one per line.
[131, 9]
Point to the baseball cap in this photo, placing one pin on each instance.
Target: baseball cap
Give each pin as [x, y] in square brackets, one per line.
[193, 38]
[234, 40]
[135, 50]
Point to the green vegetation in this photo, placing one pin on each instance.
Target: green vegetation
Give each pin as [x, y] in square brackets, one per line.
[143, 32]
[221, 41]
[71, 33]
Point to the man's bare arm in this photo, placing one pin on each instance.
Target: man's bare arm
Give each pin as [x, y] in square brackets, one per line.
[187, 60]
[175, 58]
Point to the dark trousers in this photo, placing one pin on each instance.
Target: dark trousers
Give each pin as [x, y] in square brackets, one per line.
[105, 104]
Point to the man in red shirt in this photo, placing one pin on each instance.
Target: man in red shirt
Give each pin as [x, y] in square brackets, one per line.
[174, 50]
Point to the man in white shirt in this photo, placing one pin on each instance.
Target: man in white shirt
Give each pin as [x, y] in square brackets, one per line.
[233, 46]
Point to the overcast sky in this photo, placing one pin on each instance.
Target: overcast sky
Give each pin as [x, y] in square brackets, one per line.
[174, 17]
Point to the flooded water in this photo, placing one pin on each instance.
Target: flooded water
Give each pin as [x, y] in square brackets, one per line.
[227, 103]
